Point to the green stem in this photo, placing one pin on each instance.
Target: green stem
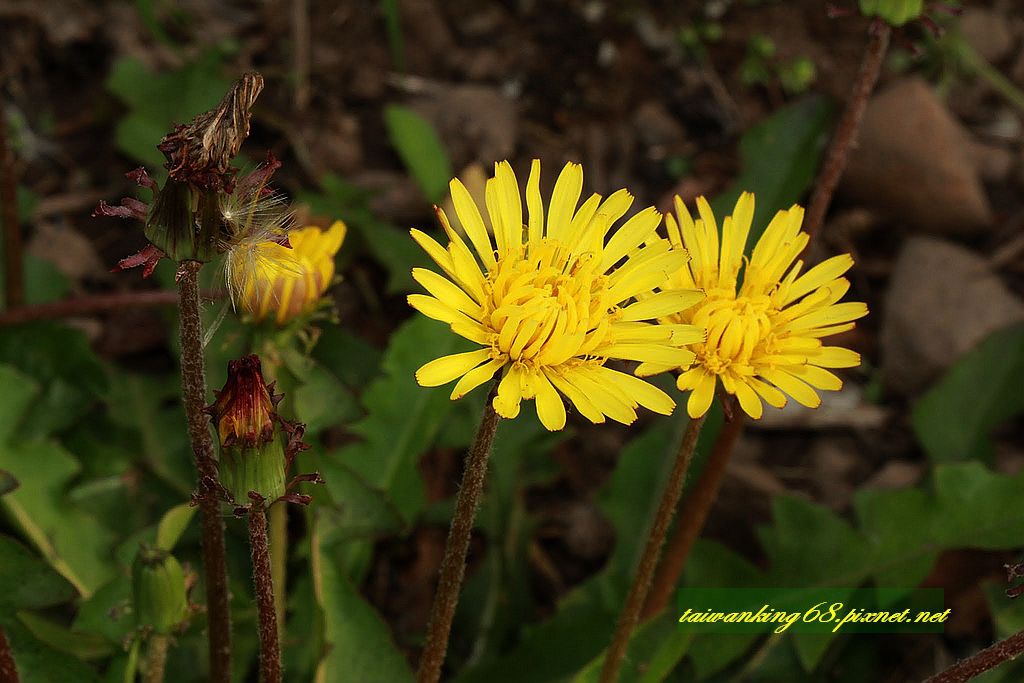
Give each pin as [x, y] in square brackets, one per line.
[193, 385]
[453, 566]
[156, 658]
[641, 585]
[981, 68]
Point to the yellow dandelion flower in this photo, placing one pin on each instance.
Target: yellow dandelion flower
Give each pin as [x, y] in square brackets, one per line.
[764, 340]
[289, 282]
[549, 302]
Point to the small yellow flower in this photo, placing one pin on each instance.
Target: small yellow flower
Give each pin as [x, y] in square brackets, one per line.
[764, 341]
[547, 302]
[289, 282]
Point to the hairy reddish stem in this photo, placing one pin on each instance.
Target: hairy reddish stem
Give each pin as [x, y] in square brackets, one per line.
[638, 590]
[694, 514]
[849, 124]
[453, 566]
[259, 543]
[8, 669]
[193, 385]
[989, 658]
[14, 267]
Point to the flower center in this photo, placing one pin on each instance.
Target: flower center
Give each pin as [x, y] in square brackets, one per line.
[546, 306]
[736, 327]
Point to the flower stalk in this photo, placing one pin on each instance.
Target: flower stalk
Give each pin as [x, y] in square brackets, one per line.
[694, 513]
[979, 663]
[156, 658]
[849, 124]
[638, 590]
[453, 566]
[193, 384]
[14, 267]
[8, 669]
[270, 649]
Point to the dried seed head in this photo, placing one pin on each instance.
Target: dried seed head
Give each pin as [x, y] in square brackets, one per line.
[200, 152]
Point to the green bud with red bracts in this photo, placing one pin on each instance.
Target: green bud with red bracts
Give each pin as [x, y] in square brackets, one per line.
[250, 433]
[159, 594]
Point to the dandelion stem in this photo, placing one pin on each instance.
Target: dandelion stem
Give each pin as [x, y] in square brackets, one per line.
[156, 658]
[193, 384]
[270, 649]
[279, 558]
[8, 669]
[453, 566]
[694, 514]
[980, 662]
[849, 124]
[14, 277]
[638, 590]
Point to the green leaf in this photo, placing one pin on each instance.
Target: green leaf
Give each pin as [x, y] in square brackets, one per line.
[359, 645]
[107, 612]
[27, 582]
[654, 651]
[352, 360]
[61, 361]
[157, 101]
[422, 151]
[322, 401]
[780, 156]
[38, 663]
[18, 394]
[7, 482]
[954, 419]
[173, 524]
[402, 417]
[43, 281]
[390, 246]
[80, 645]
[150, 406]
[71, 539]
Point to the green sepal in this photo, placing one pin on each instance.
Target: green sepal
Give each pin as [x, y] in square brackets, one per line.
[158, 591]
[183, 223]
[259, 469]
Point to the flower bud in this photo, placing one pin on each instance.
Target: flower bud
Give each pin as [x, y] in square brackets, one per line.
[894, 12]
[286, 283]
[252, 457]
[158, 590]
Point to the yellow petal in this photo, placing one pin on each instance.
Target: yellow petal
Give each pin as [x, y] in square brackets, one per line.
[510, 392]
[446, 368]
[662, 304]
[801, 392]
[564, 199]
[475, 377]
[472, 222]
[550, 408]
[748, 399]
[645, 394]
[701, 396]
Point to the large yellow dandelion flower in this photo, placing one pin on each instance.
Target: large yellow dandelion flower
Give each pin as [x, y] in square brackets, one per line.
[288, 282]
[550, 299]
[764, 341]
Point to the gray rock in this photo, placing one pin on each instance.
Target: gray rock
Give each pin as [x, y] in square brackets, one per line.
[943, 300]
[914, 161]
